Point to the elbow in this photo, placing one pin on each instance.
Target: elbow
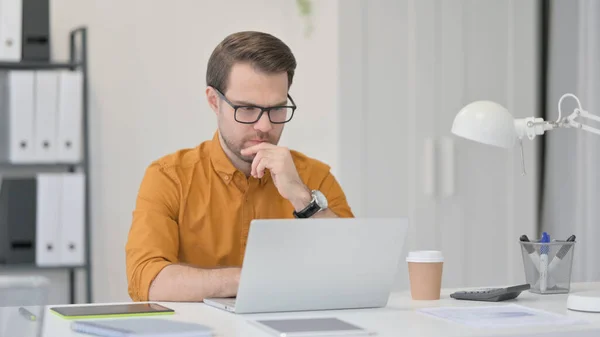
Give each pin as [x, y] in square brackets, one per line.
[158, 286]
[153, 294]
[141, 278]
[156, 290]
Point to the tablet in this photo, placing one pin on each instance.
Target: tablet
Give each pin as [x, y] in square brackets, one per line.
[311, 327]
[111, 310]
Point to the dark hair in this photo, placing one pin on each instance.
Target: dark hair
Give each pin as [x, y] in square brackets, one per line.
[263, 51]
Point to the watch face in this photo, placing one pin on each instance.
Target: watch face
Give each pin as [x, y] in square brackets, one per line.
[320, 199]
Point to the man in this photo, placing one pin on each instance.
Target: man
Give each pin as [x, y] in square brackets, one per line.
[194, 207]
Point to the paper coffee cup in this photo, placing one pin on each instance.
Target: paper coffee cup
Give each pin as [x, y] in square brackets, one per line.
[425, 273]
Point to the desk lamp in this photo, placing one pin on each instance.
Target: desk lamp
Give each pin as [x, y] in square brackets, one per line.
[490, 123]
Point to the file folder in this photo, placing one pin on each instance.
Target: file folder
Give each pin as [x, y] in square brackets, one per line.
[11, 14]
[3, 226]
[17, 116]
[46, 106]
[72, 218]
[17, 220]
[48, 229]
[36, 30]
[70, 120]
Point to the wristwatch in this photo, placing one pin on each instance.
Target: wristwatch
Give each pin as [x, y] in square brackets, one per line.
[317, 204]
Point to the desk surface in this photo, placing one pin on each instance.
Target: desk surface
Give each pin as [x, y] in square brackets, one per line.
[399, 318]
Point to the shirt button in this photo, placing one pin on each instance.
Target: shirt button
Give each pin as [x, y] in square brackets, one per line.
[226, 178]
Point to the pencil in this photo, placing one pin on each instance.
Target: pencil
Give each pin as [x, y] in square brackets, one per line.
[27, 314]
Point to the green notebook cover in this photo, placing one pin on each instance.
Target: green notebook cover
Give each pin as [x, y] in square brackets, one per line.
[111, 310]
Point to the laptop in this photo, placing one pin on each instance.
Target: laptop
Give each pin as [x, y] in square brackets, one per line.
[317, 264]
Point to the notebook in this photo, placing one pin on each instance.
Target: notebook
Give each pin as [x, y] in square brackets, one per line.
[111, 310]
[301, 327]
[140, 327]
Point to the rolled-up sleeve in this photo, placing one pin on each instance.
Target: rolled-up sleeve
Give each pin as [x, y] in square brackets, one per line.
[153, 240]
[336, 198]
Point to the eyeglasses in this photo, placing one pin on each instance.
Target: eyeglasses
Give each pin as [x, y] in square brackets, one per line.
[250, 114]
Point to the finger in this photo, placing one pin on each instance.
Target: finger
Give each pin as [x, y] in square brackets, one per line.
[255, 162]
[262, 165]
[259, 156]
[255, 148]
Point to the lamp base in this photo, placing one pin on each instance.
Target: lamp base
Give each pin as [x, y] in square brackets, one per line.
[588, 301]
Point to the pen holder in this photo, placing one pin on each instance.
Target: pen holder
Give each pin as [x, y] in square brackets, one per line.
[548, 266]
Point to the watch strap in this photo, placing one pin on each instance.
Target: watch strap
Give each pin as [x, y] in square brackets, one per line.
[308, 211]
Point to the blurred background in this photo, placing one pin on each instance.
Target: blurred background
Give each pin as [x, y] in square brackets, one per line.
[378, 85]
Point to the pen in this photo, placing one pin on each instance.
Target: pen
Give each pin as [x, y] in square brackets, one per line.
[533, 255]
[544, 262]
[27, 314]
[561, 254]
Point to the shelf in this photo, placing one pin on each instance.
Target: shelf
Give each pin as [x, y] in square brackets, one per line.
[23, 266]
[27, 170]
[31, 65]
[4, 164]
[75, 61]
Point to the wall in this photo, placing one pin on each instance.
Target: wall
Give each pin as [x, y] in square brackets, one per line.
[378, 84]
[572, 187]
[416, 63]
[147, 70]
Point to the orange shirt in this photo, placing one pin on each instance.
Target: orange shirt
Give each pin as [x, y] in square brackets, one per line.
[195, 207]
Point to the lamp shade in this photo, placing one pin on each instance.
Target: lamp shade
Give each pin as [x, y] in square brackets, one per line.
[486, 122]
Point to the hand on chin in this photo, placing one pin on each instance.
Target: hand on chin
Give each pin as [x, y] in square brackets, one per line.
[278, 160]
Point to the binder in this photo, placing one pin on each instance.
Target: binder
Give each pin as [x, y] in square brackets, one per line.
[72, 219]
[48, 224]
[11, 15]
[46, 112]
[17, 220]
[36, 30]
[17, 116]
[3, 224]
[70, 120]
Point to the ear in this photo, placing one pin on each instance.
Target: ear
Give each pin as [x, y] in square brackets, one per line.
[213, 99]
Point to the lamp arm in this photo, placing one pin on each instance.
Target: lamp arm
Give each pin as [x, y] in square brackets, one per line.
[570, 121]
[559, 119]
[532, 126]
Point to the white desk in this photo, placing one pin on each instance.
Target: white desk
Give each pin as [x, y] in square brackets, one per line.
[399, 318]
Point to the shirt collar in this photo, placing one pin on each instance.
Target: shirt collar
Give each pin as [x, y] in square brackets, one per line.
[223, 165]
[219, 159]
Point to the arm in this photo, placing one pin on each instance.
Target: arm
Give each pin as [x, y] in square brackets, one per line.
[184, 283]
[328, 213]
[289, 184]
[337, 204]
[154, 271]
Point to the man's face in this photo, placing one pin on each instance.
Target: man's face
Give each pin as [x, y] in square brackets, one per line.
[247, 86]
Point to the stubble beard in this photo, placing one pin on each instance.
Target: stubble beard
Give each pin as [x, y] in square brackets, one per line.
[236, 149]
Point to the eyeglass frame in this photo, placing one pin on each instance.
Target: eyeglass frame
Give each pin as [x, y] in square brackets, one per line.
[262, 109]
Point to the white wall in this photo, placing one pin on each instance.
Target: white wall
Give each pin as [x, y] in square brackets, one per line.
[147, 70]
[417, 63]
[573, 156]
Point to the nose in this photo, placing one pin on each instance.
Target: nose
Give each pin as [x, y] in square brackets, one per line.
[263, 124]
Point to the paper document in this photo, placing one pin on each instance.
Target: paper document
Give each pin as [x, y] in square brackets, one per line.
[503, 316]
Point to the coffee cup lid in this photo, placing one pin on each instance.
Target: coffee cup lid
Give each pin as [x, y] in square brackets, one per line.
[425, 256]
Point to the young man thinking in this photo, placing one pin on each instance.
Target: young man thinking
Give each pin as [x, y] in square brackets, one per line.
[194, 207]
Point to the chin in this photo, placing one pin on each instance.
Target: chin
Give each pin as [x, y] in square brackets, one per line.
[247, 159]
